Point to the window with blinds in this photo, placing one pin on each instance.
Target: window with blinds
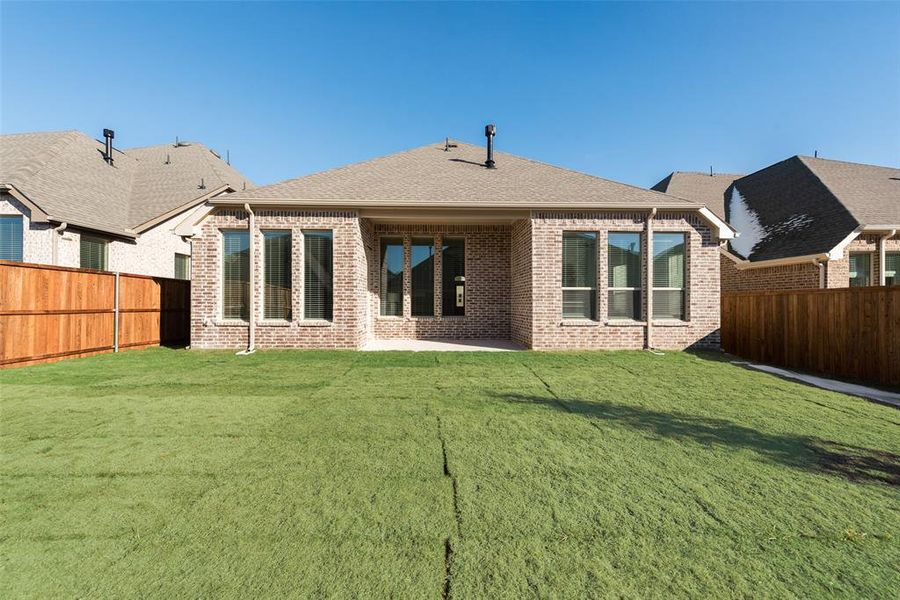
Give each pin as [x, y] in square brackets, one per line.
[236, 275]
[668, 275]
[93, 253]
[318, 275]
[391, 291]
[453, 277]
[277, 275]
[860, 269]
[624, 281]
[182, 266]
[11, 237]
[579, 275]
[422, 276]
[892, 268]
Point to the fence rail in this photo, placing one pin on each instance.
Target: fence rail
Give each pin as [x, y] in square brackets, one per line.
[50, 313]
[851, 333]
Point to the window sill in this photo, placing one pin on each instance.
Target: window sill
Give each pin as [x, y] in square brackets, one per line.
[671, 323]
[579, 323]
[389, 318]
[274, 323]
[232, 323]
[625, 323]
[314, 323]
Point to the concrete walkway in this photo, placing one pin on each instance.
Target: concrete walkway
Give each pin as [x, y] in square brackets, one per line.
[442, 346]
[875, 395]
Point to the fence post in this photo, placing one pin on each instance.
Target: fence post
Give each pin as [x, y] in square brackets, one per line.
[116, 317]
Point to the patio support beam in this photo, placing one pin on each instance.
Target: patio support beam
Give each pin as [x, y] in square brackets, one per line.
[649, 291]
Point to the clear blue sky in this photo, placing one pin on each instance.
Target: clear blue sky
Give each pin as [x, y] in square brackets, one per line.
[625, 91]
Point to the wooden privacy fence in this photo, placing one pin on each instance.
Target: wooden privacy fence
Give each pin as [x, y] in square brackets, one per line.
[851, 333]
[48, 313]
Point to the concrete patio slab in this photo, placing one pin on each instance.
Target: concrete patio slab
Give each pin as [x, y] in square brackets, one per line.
[442, 345]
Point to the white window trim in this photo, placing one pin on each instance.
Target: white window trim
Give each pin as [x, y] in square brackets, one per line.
[262, 263]
[871, 265]
[300, 316]
[222, 318]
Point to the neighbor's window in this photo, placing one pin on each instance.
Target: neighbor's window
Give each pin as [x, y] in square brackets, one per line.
[94, 251]
[668, 275]
[236, 275]
[182, 266]
[277, 275]
[422, 276]
[579, 275]
[892, 268]
[624, 276]
[392, 277]
[860, 269]
[318, 275]
[11, 237]
[453, 277]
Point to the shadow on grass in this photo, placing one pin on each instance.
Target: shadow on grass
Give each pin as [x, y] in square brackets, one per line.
[860, 465]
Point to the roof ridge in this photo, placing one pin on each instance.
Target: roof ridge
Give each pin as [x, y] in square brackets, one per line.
[804, 158]
[825, 186]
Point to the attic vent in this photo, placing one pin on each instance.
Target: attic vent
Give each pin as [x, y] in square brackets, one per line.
[108, 135]
[179, 143]
[448, 145]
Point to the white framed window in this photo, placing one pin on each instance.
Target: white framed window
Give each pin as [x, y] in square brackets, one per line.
[182, 266]
[579, 275]
[236, 274]
[11, 237]
[391, 280]
[892, 268]
[318, 274]
[94, 252]
[860, 269]
[669, 275]
[277, 275]
[624, 259]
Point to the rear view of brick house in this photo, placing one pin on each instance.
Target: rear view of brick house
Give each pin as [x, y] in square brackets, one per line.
[438, 242]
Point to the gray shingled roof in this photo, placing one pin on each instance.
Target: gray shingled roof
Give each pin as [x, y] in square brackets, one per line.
[64, 174]
[809, 205]
[430, 175]
[699, 187]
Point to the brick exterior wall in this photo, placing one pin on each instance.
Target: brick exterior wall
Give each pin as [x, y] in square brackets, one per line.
[513, 283]
[700, 329]
[806, 275]
[152, 253]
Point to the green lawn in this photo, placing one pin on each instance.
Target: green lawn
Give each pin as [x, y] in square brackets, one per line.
[170, 473]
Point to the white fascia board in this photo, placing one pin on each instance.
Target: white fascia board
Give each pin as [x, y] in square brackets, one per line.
[837, 252]
[725, 232]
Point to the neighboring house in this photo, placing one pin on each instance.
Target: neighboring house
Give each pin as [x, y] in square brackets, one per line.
[804, 223]
[434, 243]
[67, 199]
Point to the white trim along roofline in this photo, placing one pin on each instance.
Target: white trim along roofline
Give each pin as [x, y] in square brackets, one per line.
[835, 253]
[179, 209]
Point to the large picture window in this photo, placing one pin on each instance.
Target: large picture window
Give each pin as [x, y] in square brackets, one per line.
[93, 252]
[318, 275]
[860, 269]
[11, 237]
[579, 275]
[892, 268]
[277, 275]
[391, 291]
[236, 275]
[624, 254]
[422, 276]
[668, 275]
[453, 277]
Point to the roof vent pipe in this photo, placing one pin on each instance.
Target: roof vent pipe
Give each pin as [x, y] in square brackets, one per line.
[489, 132]
[108, 134]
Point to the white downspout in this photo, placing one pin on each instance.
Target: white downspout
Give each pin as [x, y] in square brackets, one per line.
[649, 292]
[821, 273]
[251, 325]
[881, 244]
[57, 231]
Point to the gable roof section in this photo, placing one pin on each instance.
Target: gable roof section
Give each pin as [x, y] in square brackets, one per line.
[430, 176]
[704, 188]
[806, 206]
[65, 175]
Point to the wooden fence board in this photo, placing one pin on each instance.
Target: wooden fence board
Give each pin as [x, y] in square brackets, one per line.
[51, 313]
[850, 333]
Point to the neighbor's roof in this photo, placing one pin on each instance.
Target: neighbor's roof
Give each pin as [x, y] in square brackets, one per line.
[700, 187]
[807, 206]
[65, 175]
[432, 176]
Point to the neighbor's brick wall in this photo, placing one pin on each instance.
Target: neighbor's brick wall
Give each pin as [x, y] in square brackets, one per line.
[520, 285]
[209, 330]
[487, 284]
[550, 331]
[785, 277]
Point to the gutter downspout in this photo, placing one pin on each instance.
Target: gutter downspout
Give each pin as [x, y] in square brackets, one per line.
[821, 265]
[649, 255]
[251, 325]
[881, 244]
[58, 230]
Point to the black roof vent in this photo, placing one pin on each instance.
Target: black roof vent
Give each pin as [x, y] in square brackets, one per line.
[108, 135]
[489, 132]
